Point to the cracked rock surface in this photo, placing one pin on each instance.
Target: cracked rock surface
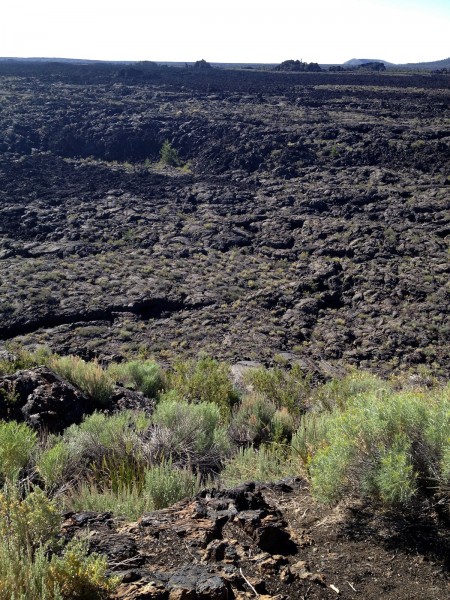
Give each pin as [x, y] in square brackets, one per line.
[311, 218]
[216, 546]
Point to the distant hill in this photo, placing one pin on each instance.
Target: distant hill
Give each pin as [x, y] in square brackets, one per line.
[356, 62]
[436, 64]
[352, 63]
[73, 61]
[424, 66]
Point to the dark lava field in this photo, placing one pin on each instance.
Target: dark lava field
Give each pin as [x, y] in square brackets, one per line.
[308, 217]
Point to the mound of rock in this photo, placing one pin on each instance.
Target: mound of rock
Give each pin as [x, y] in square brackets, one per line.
[42, 399]
[271, 542]
[219, 545]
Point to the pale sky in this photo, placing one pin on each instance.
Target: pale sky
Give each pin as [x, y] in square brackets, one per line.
[267, 31]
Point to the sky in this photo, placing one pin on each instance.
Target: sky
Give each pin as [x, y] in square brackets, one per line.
[243, 31]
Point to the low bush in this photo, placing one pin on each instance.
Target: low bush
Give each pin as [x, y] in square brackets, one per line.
[204, 380]
[53, 465]
[286, 388]
[28, 522]
[252, 420]
[80, 575]
[24, 576]
[108, 430]
[127, 502]
[73, 575]
[17, 445]
[169, 155]
[338, 392]
[89, 377]
[121, 470]
[196, 436]
[391, 447]
[109, 449]
[395, 477]
[164, 484]
[29, 567]
[19, 358]
[282, 426]
[145, 376]
[310, 436]
[269, 462]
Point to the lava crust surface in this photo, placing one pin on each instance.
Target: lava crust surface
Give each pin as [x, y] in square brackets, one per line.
[310, 218]
[215, 547]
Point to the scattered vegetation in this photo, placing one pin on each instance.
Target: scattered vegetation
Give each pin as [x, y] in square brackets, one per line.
[17, 444]
[88, 376]
[145, 376]
[169, 155]
[360, 435]
[33, 566]
[204, 380]
[391, 447]
[356, 435]
[388, 441]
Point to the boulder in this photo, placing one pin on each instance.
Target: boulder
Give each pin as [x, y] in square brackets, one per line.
[42, 399]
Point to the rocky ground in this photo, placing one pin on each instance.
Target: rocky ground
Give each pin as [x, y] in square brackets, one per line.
[268, 541]
[271, 542]
[310, 217]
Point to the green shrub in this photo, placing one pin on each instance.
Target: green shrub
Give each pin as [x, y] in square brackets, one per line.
[53, 464]
[9, 395]
[28, 522]
[114, 452]
[129, 502]
[389, 446]
[108, 430]
[266, 463]
[169, 155]
[80, 575]
[87, 376]
[438, 428]
[336, 393]
[310, 436]
[205, 380]
[282, 426]
[330, 473]
[17, 445]
[22, 358]
[109, 450]
[165, 485]
[120, 470]
[285, 388]
[395, 479]
[24, 576]
[445, 465]
[252, 420]
[195, 435]
[145, 376]
[30, 568]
